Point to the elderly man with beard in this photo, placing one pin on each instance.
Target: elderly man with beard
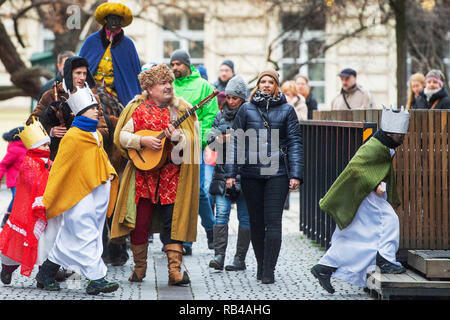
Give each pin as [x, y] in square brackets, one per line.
[163, 200]
[352, 95]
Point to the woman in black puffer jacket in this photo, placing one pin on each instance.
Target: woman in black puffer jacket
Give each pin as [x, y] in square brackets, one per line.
[266, 174]
[236, 92]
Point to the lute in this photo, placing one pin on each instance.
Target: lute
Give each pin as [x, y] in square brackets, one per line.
[148, 159]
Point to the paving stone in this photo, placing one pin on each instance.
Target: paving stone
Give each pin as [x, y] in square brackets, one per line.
[293, 280]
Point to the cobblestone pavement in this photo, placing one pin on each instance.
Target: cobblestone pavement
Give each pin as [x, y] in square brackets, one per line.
[293, 278]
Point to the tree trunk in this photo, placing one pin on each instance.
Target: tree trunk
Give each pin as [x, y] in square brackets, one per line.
[27, 82]
[401, 40]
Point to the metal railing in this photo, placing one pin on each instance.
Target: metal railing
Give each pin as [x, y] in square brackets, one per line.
[327, 147]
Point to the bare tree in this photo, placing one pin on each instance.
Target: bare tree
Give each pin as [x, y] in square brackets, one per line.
[53, 14]
[421, 28]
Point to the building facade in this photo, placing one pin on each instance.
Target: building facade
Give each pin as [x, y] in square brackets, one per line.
[255, 34]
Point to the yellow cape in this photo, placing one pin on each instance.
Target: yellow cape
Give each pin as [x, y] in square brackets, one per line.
[185, 212]
[80, 166]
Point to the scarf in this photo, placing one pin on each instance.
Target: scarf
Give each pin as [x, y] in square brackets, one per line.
[109, 33]
[385, 139]
[229, 114]
[350, 90]
[260, 96]
[85, 124]
[38, 153]
[430, 93]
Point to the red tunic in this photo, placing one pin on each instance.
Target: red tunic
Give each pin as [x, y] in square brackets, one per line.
[156, 185]
[19, 238]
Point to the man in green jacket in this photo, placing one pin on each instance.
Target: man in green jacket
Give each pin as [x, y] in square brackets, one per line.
[193, 88]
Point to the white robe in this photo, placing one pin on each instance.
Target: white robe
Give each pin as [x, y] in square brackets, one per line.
[78, 245]
[353, 250]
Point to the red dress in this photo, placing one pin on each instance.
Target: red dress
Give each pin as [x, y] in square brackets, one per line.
[158, 185]
[19, 238]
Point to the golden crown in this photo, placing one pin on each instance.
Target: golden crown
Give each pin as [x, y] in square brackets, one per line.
[34, 135]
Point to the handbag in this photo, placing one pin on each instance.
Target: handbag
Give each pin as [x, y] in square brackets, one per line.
[210, 156]
[283, 150]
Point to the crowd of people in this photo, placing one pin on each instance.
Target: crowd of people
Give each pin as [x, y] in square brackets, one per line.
[173, 116]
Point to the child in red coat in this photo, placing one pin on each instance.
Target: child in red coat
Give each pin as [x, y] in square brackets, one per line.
[10, 164]
[20, 236]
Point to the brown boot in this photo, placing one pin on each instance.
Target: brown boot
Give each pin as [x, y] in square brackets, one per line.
[140, 262]
[174, 257]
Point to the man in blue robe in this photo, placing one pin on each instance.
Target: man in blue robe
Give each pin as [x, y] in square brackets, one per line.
[112, 56]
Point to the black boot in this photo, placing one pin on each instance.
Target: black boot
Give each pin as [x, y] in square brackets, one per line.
[5, 218]
[243, 242]
[271, 252]
[258, 249]
[388, 267]
[220, 235]
[210, 236]
[46, 276]
[323, 274]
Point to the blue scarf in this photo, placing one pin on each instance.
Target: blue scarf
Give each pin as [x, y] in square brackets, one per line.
[84, 123]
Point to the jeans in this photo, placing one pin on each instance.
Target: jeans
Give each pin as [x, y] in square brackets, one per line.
[205, 209]
[13, 191]
[223, 208]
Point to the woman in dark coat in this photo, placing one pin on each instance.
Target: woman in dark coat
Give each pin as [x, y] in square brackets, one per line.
[434, 96]
[267, 122]
[235, 91]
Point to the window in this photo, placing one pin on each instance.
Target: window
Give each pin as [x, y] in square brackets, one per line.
[301, 54]
[48, 40]
[183, 32]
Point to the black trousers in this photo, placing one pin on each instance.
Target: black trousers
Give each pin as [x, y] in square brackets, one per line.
[167, 213]
[265, 200]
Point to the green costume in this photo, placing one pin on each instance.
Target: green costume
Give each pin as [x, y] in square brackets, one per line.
[371, 164]
[193, 89]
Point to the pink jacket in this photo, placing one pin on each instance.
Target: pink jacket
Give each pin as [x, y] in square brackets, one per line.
[10, 164]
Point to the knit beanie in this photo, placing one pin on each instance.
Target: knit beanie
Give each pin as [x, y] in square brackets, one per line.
[237, 87]
[436, 74]
[229, 63]
[182, 56]
[270, 72]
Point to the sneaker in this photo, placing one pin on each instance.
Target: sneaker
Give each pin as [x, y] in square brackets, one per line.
[387, 266]
[46, 283]
[94, 287]
[323, 274]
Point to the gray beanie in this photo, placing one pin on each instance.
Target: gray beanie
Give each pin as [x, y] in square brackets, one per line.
[182, 56]
[237, 87]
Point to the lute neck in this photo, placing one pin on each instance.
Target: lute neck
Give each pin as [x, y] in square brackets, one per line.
[190, 112]
[178, 122]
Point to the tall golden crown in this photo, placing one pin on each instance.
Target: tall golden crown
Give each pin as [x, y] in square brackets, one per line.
[34, 135]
